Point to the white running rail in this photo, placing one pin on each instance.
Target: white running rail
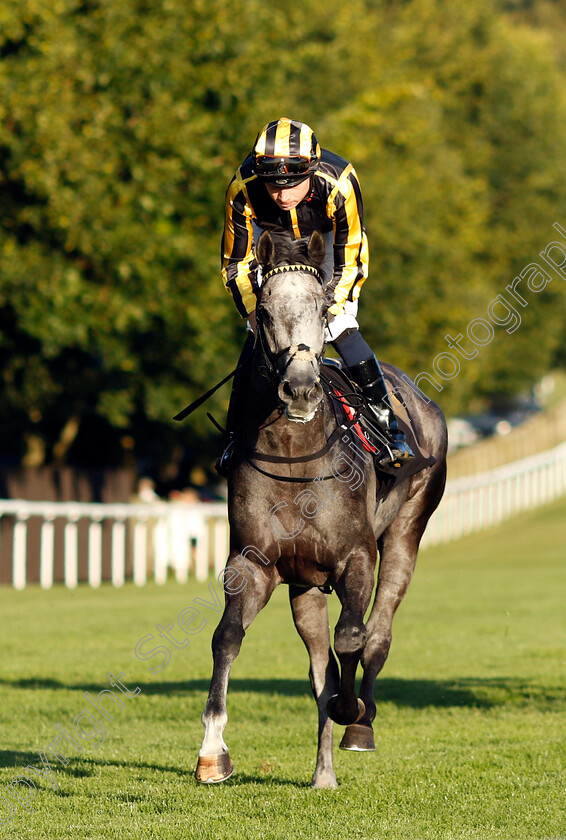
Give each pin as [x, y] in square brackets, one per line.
[475, 502]
[145, 541]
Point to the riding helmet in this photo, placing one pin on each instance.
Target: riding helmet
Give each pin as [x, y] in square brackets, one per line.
[285, 152]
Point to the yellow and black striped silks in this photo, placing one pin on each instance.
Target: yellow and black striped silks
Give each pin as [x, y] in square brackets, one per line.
[287, 138]
[334, 203]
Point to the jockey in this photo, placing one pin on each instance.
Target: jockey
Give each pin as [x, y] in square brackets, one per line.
[290, 186]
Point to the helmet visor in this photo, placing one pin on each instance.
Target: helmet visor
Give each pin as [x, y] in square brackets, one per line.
[272, 165]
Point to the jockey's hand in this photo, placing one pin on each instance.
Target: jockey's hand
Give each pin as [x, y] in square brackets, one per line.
[333, 310]
[329, 295]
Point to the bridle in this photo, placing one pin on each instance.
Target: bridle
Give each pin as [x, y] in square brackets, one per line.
[270, 370]
[299, 352]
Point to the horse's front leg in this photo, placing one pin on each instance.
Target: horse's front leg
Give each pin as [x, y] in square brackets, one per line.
[214, 763]
[310, 614]
[398, 547]
[353, 587]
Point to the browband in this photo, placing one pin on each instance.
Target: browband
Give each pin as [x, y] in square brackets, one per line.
[297, 267]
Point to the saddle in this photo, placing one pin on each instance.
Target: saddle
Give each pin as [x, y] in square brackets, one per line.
[348, 400]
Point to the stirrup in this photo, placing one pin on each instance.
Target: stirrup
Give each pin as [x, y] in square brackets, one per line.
[397, 450]
[402, 452]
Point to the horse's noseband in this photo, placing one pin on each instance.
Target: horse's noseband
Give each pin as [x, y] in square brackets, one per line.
[299, 353]
[296, 352]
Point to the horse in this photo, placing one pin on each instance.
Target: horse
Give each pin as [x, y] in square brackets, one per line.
[303, 510]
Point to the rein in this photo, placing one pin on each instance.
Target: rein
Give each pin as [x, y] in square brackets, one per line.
[204, 397]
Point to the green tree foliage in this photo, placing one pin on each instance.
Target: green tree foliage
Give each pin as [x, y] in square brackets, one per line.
[121, 125]
[463, 179]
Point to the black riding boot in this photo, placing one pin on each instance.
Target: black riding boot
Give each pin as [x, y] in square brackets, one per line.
[240, 387]
[369, 377]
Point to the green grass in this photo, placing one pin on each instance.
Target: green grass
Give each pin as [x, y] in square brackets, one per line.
[469, 736]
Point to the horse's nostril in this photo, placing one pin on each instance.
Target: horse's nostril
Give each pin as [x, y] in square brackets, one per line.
[291, 393]
[286, 393]
[315, 391]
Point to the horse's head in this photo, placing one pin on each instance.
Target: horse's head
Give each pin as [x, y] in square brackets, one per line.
[291, 318]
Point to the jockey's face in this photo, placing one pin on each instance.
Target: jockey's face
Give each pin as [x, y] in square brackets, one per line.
[288, 197]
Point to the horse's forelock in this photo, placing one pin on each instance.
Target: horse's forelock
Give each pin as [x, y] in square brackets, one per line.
[290, 252]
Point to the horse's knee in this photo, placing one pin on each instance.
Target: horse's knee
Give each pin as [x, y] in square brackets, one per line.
[349, 638]
[228, 637]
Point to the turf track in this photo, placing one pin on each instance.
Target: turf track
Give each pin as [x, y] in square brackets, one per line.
[470, 737]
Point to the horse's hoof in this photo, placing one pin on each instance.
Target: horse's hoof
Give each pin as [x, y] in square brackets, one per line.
[214, 768]
[358, 737]
[343, 718]
[324, 783]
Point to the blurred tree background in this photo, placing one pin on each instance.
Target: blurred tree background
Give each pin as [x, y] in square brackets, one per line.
[121, 125]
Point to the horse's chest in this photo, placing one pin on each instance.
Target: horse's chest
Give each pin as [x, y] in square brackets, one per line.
[304, 565]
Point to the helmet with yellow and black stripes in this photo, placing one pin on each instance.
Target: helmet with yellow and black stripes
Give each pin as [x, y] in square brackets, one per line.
[285, 152]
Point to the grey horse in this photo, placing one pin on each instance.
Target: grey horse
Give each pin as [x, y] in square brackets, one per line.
[304, 511]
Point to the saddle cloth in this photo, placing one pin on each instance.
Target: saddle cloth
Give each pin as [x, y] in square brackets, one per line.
[340, 387]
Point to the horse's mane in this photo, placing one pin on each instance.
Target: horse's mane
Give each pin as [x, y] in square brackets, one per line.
[291, 251]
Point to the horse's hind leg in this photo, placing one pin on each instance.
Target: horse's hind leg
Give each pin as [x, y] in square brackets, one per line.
[310, 615]
[214, 763]
[354, 587]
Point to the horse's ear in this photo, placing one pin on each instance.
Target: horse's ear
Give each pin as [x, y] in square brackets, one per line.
[316, 247]
[264, 249]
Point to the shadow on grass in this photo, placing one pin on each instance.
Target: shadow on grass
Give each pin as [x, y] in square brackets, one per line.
[187, 773]
[483, 693]
[270, 779]
[16, 758]
[81, 767]
[87, 767]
